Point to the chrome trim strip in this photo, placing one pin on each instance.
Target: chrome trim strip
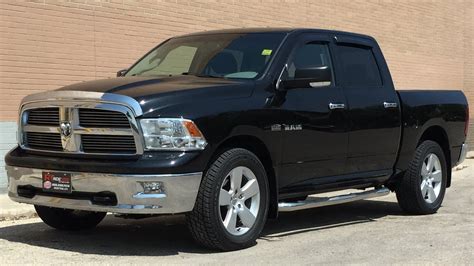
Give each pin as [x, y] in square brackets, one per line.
[68, 103]
[333, 106]
[390, 105]
[180, 191]
[104, 131]
[142, 195]
[85, 96]
[41, 129]
[313, 202]
[319, 84]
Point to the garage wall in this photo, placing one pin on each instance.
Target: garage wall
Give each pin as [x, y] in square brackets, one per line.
[46, 44]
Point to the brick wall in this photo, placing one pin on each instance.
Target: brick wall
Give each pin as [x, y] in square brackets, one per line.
[7, 141]
[50, 43]
[468, 85]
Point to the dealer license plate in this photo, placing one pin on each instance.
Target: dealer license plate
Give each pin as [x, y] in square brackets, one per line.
[57, 182]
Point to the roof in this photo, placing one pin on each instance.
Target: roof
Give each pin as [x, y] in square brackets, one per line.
[273, 29]
[243, 30]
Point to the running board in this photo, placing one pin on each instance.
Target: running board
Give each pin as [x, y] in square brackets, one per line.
[313, 202]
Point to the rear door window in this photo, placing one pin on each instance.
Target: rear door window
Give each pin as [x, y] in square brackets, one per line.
[358, 66]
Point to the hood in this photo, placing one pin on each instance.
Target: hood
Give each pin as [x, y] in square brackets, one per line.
[162, 92]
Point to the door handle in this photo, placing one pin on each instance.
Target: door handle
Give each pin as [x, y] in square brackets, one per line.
[333, 106]
[390, 105]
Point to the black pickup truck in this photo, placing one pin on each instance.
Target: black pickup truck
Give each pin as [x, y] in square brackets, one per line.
[231, 127]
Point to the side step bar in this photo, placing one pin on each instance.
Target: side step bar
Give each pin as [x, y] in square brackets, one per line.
[313, 202]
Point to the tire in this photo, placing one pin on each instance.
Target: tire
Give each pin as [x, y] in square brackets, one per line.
[65, 219]
[414, 192]
[211, 222]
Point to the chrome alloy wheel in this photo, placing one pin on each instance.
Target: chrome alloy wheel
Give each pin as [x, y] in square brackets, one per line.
[239, 200]
[431, 178]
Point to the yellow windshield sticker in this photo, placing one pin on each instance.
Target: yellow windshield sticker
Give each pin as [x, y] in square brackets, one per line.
[266, 52]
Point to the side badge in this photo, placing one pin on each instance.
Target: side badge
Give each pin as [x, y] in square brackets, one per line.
[293, 127]
[278, 127]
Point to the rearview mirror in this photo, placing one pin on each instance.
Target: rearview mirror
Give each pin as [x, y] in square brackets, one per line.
[309, 77]
[122, 72]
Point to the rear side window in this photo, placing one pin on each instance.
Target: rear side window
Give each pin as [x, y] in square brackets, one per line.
[358, 66]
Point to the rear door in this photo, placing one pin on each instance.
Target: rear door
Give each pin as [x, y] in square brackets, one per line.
[372, 105]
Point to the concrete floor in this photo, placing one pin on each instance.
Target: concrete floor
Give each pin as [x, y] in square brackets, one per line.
[366, 232]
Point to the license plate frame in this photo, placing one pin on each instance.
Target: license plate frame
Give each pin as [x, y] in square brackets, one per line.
[57, 182]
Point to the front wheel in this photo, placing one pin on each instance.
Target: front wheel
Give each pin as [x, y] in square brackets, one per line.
[232, 203]
[422, 188]
[65, 219]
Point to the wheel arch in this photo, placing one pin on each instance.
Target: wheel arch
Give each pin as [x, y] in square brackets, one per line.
[438, 134]
[260, 149]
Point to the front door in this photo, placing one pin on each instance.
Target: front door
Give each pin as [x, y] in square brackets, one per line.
[313, 119]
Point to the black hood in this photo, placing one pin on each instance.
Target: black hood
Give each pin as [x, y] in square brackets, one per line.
[163, 92]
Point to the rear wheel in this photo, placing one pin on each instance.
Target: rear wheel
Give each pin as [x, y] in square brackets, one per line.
[65, 219]
[422, 188]
[232, 204]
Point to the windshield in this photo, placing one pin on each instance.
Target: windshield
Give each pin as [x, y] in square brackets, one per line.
[218, 55]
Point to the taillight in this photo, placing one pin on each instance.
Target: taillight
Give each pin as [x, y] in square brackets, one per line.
[466, 126]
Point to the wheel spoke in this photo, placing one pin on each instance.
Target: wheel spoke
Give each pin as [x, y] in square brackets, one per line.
[247, 218]
[437, 176]
[430, 164]
[424, 170]
[230, 221]
[250, 189]
[224, 197]
[431, 194]
[424, 187]
[236, 178]
[436, 164]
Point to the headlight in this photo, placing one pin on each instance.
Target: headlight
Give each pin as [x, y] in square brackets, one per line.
[172, 134]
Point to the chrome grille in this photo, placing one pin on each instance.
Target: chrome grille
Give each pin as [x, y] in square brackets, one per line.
[101, 143]
[44, 141]
[102, 118]
[89, 128]
[43, 116]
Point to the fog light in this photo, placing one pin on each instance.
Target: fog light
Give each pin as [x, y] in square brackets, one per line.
[155, 187]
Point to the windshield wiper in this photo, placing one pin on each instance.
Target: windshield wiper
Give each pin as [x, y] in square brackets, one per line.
[209, 76]
[202, 75]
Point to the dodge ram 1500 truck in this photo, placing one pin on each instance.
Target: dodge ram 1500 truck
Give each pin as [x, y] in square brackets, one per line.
[231, 127]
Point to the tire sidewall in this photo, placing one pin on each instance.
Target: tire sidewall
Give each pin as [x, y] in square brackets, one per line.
[435, 149]
[249, 160]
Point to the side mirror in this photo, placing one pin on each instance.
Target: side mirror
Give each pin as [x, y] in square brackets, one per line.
[122, 72]
[309, 77]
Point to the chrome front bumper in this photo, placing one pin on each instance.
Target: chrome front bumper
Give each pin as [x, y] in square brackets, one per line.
[178, 195]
